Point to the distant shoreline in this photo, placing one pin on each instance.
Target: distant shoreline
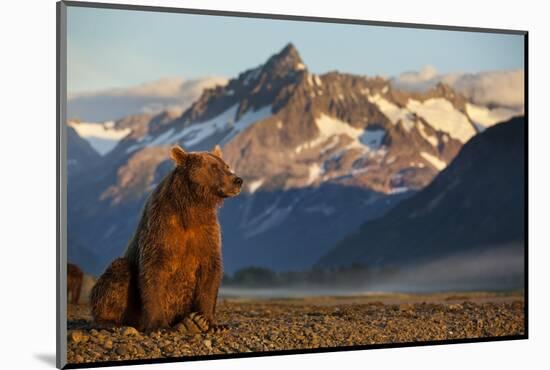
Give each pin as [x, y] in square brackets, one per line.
[300, 294]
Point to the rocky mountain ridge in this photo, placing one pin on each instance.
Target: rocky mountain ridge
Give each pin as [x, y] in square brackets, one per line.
[286, 131]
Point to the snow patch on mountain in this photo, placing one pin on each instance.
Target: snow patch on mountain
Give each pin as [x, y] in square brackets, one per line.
[430, 139]
[162, 138]
[359, 171]
[249, 118]
[393, 112]
[331, 144]
[195, 133]
[399, 190]
[199, 131]
[317, 80]
[434, 161]
[269, 218]
[103, 137]
[484, 117]
[255, 185]
[443, 116]
[314, 172]
[329, 127]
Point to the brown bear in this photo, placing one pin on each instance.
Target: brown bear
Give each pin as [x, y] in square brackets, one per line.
[172, 268]
[74, 282]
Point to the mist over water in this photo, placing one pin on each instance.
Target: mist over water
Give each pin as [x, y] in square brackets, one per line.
[498, 269]
[289, 292]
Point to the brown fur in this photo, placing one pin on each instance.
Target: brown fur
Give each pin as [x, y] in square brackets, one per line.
[172, 266]
[74, 281]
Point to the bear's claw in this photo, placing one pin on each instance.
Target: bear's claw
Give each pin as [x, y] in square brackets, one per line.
[189, 326]
[196, 323]
[216, 329]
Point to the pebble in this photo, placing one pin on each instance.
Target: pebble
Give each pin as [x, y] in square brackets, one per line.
[122, 350]
[455, 307]
[130, 331]
[77, 336]
[168, 348]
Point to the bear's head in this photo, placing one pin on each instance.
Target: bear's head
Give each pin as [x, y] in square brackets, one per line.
[207, 172]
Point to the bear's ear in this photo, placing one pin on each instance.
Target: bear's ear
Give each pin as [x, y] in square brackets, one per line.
[217, 151]
[178, 155]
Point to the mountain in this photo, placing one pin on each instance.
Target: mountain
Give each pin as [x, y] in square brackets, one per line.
[105, 136]
[290, 230]
[151, 98]
[102, 137]
[333, 127]
[475, 205]
[80, 154]
[300, 140]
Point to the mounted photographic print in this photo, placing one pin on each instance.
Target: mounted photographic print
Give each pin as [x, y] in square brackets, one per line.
[238, 184]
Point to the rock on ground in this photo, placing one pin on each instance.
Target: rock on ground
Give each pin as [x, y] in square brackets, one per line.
[269, 325]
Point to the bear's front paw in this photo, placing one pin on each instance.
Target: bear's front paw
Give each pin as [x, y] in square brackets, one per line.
[200, 321]
[195, 323]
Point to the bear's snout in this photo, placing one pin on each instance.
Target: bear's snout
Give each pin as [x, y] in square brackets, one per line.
[231, 186]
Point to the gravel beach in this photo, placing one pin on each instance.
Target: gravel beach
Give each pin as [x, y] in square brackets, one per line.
[259, 325]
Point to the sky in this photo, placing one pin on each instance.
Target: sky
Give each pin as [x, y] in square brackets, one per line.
[108, 48]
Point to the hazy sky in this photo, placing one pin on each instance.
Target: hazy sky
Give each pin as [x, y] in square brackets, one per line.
[115, 48]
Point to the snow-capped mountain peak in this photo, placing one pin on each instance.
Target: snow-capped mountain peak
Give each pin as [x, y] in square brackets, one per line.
[307, 146]
[282, 126]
